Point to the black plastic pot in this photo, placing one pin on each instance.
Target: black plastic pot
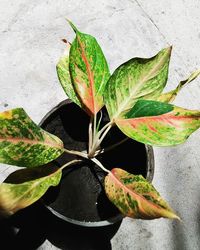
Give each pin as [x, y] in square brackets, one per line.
[80, 198]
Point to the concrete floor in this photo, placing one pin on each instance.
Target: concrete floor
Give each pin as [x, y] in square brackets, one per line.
[30, 34]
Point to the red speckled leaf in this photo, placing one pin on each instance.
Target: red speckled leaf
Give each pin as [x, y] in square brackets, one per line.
[159, 124]
[89, 71]
[25, 186]
[135, 197]
[23, 143]
[135, 79]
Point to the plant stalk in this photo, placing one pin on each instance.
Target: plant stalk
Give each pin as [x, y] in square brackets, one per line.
[103, 150]
[103, 135]
[74, 152]
[69, 163]
[105, 127]
[94, 126]
[100, 165]
[84, 156]
[99, 140]
[90, 134]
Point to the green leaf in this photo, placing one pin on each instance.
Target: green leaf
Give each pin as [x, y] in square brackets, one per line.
[23, 187]
[64, 76]
[135, 79]
[159, 124]
[148, 108]
[23, 143]
[171, 95]
[135, 197]
[89, 71]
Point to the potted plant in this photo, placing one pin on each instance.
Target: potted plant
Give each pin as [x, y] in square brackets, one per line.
[134, 104]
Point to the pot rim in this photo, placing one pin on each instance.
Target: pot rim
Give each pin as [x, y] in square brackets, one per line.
[150, 173]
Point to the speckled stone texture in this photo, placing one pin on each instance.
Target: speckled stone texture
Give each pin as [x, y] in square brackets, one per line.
[30, 45]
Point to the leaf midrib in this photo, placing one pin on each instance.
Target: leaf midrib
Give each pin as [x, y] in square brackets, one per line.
[89, 73]
[29, 141]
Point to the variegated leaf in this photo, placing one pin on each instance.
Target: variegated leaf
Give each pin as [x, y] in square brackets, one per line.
[23, 143]
[89, 71]
[135, 197]
[64, 76]
[23, 187]
[135, 79]
[159, 124]
[171, 95]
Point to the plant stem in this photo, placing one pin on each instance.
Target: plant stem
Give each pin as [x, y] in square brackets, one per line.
[94, 126]
[90, 134]
[69, 163]
[74, 152]
[97, 139]
[84, 156]
[99, 121]
[111, 147]
[104, 134]
[100, 165]
[107, 125]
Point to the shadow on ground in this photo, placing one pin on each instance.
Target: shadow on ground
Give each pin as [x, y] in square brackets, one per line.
[29, 228]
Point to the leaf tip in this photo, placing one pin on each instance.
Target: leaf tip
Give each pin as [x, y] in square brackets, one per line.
[173, 215]
[166, 51]
[169, 50]
[176, 217]
[72, 25]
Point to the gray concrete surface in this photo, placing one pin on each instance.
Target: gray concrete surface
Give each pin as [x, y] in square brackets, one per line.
[30, 33]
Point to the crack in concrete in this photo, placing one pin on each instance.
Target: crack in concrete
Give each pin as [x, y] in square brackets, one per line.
[160, 32]
[151, 20]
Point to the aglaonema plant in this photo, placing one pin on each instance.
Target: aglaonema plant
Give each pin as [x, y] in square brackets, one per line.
[133, 96]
